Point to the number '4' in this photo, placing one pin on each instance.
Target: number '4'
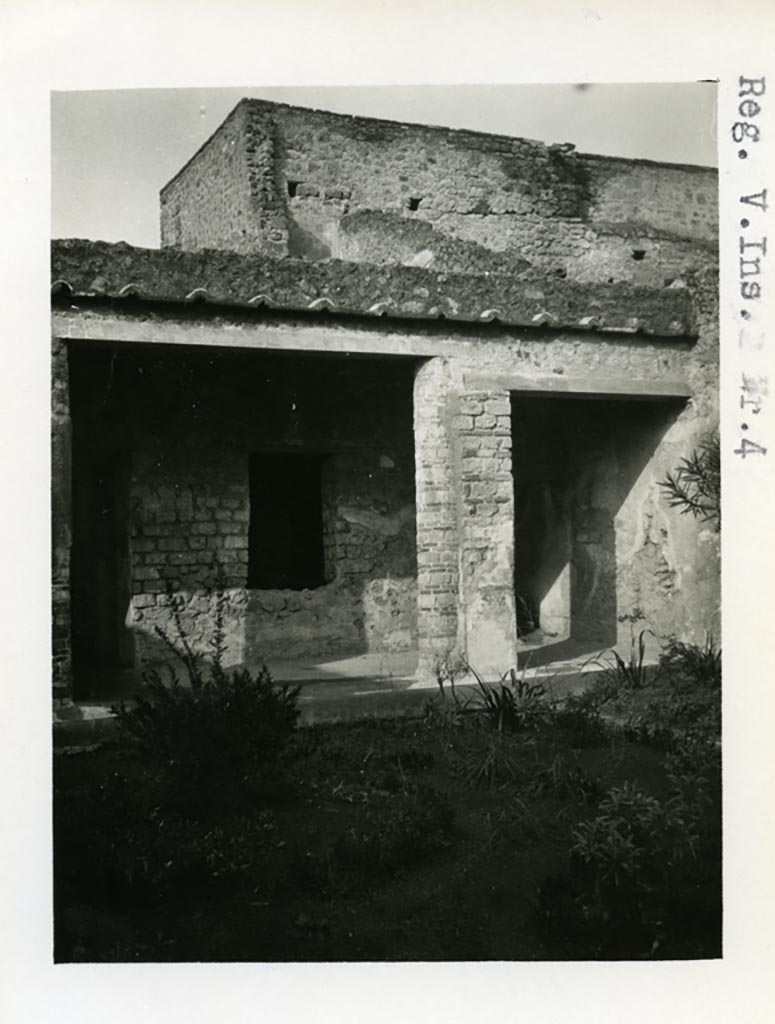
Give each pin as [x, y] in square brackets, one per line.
[750, 448]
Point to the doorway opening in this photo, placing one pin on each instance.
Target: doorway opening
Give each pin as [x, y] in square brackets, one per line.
[576, 460]
[100, 571]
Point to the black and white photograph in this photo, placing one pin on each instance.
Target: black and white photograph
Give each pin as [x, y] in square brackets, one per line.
[387, 443]
[386, 521]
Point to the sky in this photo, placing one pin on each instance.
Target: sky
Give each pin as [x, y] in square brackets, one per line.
[113, 150]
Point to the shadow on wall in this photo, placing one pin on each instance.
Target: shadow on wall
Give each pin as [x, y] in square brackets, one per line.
[195, 461]
[576, 462]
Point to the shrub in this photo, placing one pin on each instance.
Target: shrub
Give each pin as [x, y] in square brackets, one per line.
[579, 718]
[685, 707]
[392, 839]
[218, 741]
[695, 487]
[700, 664]
[564, 776]
[217, 744]
[635, 871]
[392, 836]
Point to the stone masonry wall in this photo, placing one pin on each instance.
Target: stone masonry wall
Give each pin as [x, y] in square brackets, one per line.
[226, 196]
[328, 185]
[191, 422]
[465, 566]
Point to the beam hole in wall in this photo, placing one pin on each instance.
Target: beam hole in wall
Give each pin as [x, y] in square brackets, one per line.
[639, 254]
[414, 203]
[285, 539]
[293, 187]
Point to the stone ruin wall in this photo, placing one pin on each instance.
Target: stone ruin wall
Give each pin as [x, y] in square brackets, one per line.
[190, 497]
[287, 181]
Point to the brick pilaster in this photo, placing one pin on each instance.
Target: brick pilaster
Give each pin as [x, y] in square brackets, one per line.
[465, 523]
[488, 629]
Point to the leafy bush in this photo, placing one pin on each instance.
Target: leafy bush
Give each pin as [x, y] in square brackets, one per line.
[683, 708]
[634, 870]
[401, 838]
[700, 664]
[579, 718]
[390, 838]
[563, 776]
[218, 741]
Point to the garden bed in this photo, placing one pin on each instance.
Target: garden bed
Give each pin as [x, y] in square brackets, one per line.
[456, 835]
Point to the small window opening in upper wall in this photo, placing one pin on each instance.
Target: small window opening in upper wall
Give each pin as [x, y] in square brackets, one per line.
[638, 254]
[414, 203]
[292, 188]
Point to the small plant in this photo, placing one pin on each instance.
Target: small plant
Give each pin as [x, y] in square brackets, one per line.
[701, 664]
[683, 706]
[392, 839]
[695, 487]
[632, 674]
[497, 765]
[565, 777]
[515, 705]
[578, 716]
[448, 669]
[526, 619]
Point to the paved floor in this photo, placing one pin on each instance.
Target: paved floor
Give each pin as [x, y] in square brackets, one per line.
[363, 684]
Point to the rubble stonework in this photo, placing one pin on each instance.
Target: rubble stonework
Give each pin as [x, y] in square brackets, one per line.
[311, 184]
[497, 349]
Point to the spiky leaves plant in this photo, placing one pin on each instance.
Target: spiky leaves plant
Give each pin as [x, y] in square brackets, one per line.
[695, 487]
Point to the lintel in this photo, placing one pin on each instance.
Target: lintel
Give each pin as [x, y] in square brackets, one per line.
[563, 385]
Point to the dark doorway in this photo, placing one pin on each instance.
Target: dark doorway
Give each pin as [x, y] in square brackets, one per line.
[286, 523]
[575, 462]
[101, 581]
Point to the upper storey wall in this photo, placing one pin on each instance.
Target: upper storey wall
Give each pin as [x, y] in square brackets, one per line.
[289, 181]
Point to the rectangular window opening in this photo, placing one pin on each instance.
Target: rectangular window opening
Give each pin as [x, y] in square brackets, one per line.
[286, 523]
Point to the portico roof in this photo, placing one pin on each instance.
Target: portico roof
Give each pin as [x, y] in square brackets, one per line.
[118, 271]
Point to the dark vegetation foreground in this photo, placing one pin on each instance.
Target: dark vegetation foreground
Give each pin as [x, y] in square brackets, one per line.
[511, 828]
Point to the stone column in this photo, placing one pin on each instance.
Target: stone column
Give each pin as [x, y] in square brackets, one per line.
[465, 523]
[61, 519]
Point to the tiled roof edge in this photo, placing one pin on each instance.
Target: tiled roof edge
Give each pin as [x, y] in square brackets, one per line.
[118, 270]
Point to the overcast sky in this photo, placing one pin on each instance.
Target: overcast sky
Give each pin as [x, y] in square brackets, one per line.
[112, 151]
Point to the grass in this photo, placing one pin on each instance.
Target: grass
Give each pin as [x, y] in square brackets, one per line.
[445, 837]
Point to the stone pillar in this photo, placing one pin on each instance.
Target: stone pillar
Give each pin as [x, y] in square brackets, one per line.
[488, 625]
[465, 523]
[437, 518]
[61, 519]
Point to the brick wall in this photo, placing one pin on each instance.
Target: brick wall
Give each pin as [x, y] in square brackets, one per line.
[191, 421]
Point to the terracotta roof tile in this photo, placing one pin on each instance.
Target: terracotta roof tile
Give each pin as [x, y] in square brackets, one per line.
[116, 270]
